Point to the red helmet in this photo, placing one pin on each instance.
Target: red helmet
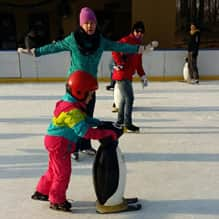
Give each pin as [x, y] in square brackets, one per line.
[79, 83]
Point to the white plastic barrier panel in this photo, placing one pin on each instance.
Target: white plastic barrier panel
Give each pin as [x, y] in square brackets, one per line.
[105, 65]
[174, 61]
[208, 62]
[9, 64]
[28, 66]
[54, 65]
[47, 66]
[159, 63]
[153, 63]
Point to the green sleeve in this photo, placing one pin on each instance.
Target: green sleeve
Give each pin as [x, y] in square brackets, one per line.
[59, 46]
[119, 47]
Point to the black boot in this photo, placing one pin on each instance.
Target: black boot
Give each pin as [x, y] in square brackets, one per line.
[110, 87]
[131, 128]
[65, 206]
[39, 196]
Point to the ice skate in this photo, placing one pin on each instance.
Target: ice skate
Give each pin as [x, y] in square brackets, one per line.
[131, 129]
[110, 87]
[39, 196]
[65, 206]
[193, 81]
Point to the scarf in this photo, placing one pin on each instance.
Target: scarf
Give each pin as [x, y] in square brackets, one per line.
[87, 44]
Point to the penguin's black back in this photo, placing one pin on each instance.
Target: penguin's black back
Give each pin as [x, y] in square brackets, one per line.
[105, 173]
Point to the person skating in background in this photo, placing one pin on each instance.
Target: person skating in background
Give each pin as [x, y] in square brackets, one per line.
[69, 123]
[86, 46]
[125, 67]
[193, 48]
[31, 40]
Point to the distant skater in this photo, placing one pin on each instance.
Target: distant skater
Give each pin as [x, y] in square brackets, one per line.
[193, 48]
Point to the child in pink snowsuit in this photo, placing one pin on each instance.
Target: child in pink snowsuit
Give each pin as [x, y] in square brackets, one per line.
[69, 122]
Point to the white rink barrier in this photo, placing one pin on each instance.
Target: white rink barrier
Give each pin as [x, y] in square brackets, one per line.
[159, 65]
[9, 65]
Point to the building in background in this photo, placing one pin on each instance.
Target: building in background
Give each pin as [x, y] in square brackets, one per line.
[165, 21]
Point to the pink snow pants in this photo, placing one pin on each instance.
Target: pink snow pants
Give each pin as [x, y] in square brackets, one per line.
[55, 180]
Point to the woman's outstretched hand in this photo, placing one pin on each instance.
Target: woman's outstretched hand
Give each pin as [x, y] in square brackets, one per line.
[30, 52]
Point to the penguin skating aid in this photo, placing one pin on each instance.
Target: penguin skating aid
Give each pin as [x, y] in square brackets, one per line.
[117, 95]
[109, 176]
[186, 74]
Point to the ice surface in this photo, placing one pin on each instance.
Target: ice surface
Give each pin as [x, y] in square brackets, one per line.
[173, 164]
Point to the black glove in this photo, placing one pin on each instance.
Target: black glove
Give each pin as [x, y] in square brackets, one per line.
[111, 125]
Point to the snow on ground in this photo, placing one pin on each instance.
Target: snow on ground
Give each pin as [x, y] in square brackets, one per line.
[172, 164]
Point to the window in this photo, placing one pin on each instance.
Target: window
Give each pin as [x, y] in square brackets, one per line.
[204, 12]
[40, 22]
[8, 32]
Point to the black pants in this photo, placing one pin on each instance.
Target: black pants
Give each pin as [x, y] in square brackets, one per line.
[192, 64]
[82, 143]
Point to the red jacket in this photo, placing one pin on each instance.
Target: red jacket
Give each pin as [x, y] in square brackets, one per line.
[131, 62]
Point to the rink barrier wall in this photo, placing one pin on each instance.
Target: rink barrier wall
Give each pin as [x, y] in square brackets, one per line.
[160, 65]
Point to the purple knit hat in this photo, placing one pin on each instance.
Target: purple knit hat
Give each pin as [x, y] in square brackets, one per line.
[87, 14]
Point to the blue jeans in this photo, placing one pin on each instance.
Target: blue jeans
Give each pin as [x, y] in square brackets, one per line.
[126, 103]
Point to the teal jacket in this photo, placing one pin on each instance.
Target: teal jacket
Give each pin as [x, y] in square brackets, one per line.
[88, 63]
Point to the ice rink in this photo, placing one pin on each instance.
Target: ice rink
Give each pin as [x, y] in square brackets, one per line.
[173, 164]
